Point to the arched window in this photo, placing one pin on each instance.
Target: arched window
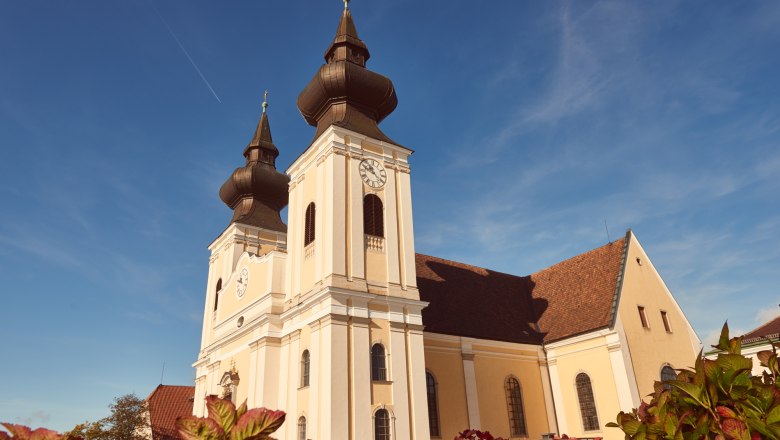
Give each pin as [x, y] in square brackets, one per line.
[302, 428]
[381, 425]
[373, 223]
[308, 231]
[433, 405]
[590, 421]
[216, 294]
[305, 368]
[514, 402]
[378, 369]
[668, 373]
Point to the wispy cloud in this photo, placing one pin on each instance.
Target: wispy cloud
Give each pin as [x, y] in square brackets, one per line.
[185, 52]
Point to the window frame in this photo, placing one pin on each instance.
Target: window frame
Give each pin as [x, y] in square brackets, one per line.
[586, 426]
[301, 428]
[388, 434]
[515, 407]
[310, 224]
[379, 373]
[305, 368]
[432, 397]
[643, 317]
[665, 320]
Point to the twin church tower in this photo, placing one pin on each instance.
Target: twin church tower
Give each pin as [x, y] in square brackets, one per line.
[321, 317]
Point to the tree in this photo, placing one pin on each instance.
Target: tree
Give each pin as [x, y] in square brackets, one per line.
[129, 420]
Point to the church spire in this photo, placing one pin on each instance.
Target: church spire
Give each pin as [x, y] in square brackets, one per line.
[257, 192]
[343, 92]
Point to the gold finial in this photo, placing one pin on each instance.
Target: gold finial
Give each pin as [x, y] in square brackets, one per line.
[346, 4]
[265, 100]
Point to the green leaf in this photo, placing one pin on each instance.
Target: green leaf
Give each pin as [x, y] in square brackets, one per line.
[723, 342]
[222, 411]
[773, 416]
[691, 389]
[257, 424]
[241, 410]
[737, 362]
[199, 428]
[699, 373]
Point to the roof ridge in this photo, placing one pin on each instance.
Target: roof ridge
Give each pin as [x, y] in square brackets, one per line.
[578, 255]
[761, 326]
[471, 265]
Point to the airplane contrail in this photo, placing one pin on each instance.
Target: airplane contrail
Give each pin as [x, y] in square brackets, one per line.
[187, 54]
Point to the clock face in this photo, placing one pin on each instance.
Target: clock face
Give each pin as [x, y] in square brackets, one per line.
[243, 281]
[373, 173]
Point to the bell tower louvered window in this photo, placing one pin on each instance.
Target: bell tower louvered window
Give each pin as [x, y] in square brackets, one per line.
[590, 421]
[373, 219]
[308, 233]
[514, 402]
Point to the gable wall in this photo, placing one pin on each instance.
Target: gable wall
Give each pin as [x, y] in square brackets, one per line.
[652, 348]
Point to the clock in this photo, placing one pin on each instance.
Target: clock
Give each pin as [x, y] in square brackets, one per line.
[373, 173]
[243, 281]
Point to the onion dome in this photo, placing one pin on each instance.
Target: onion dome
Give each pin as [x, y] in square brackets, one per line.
[257, 192]
[343, 92]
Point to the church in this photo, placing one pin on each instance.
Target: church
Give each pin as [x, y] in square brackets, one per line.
[335, 319]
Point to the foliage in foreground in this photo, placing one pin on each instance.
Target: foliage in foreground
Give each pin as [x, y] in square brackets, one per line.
[21, 432]
[473, 434]
[225, 422]
[717, 399]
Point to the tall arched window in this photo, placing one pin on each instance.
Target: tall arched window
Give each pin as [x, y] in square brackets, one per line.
[433, 404]
[302, 428]
[305, 368]
[216, 294]
[590, 421]
[378, 369]
[668, 373]
[308, 231]
[514, 402]
[381, 425]
[373, 222]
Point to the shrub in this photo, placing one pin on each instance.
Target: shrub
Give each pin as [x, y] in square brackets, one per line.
[718, 399]
[225, 422]
[21, 432]
[473, 434]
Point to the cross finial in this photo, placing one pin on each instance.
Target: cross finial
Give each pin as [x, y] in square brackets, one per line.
[346, 4]
[265, 100]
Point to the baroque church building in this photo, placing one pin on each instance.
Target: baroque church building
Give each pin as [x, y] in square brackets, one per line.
[336, 320]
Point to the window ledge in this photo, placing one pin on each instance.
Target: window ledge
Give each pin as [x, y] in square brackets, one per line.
[382, 381]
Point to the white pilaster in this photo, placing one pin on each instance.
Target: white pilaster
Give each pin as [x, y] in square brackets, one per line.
[555, 379]
[399, 378]
[470, 378]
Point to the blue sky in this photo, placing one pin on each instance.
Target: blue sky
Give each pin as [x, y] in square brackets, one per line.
[532, 122]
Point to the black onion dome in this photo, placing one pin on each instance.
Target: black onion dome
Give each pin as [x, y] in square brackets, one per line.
[257, 192]
[343, 92]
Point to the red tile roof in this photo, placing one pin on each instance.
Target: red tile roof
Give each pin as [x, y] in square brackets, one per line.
[572, 297]
[769, 330]
[475, 302]
[166, 404]
[578, 295]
